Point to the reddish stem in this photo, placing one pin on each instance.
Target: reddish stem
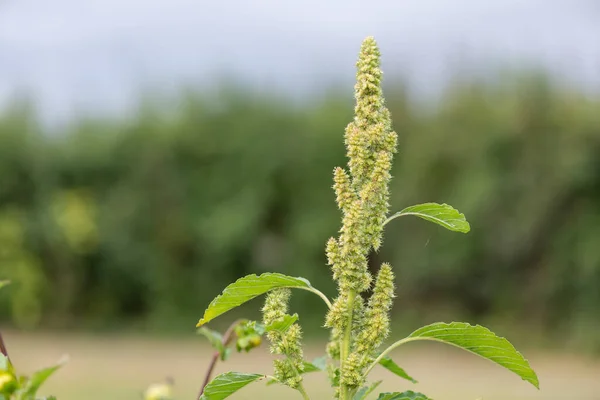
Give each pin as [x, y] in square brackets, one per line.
[3, 348]
[227, 338]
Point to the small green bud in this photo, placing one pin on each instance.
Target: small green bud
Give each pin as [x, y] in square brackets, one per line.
[336, 317]
[352, 373]
[8, 383]
[286, 374]
[345, 195]
[276, 305]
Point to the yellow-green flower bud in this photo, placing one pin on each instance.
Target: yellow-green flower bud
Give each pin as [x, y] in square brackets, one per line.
[344, 193]
[286, 343]
[336, 317]
[362, 195]
[376, 321]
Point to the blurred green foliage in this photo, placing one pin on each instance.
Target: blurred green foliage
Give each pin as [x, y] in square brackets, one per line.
[147, 218]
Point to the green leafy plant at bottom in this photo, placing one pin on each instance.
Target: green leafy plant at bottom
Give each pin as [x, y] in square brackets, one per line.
[358, 318]
[21, 387]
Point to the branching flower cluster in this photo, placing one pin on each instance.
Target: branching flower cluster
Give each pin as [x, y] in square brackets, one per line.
[359, 317]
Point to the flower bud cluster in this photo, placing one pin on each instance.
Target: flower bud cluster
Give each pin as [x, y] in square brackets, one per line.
[362, 194]
[288, 343]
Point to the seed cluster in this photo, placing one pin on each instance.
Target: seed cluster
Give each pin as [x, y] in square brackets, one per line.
[362, 195]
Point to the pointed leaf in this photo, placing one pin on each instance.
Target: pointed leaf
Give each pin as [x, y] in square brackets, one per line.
[228, 383]
[390, 365]
[39, 377]
[480, 341]
[5, 364]
[441, 214]
[310, 367]
[410, 395]
[249, 287]
[282, 324]
[216, 341]
[320, 362]
[367, 390]
[317, 365]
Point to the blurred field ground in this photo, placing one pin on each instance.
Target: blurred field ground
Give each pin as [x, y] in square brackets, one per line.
[119, 368]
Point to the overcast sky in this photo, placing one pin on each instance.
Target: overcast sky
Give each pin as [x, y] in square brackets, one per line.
[75, 55]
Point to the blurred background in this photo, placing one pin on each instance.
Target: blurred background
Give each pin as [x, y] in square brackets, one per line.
[153, 152]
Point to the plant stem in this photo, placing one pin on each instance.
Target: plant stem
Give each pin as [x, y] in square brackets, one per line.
[303, 392]
[318, 293]
[3, 347]
[227, 337]
[390, 348]
[346, 342]
[300, 386]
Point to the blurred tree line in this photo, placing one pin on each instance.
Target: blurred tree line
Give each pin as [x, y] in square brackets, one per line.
[145, 219]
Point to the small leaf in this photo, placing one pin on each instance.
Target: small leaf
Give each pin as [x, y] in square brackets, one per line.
[5, 364]
[310, 367]
[249, 287]
[4, 283]
[228, 383]
[480, 341]
[215, 339]
[282, 324]
[317, 365]
[410, 395]
[320, 362]
[225, 355]
[8, 383]
[441, 214]
[367, 390]
[390, 365]
[39, 377]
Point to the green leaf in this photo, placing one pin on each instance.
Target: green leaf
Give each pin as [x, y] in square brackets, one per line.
[480, 341]
[228, 383]
[320, 362]
[216, 341]
[317, 365]
[441, 214]
[364, 392]
[410, 395]
[310, 367]
[282, 324]
[39, 377]
[390, 365]
[249, 287]
[5, 364]
[4, 283]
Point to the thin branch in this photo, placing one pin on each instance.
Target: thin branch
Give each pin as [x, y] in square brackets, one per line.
[318, 293]
[227, 338]
[392, 347]
[3, 347]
